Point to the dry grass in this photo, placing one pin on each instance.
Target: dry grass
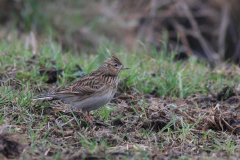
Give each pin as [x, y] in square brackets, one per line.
[139, 123]
[164, 108]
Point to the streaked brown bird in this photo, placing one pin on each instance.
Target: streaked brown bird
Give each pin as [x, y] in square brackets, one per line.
[93, 90]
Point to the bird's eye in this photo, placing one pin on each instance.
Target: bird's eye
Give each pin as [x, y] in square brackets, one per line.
[115, 65]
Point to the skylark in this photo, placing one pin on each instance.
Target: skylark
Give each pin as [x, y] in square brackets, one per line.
[93, 90]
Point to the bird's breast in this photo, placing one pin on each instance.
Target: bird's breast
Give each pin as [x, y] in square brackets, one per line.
[96, 101]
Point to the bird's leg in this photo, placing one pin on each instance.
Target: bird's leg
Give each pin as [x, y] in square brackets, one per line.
[89, 118]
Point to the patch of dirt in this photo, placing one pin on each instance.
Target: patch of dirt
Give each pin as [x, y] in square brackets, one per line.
[156, 125]
[117, 122]
[10, 145]
[226, 93]
[51, 74]
[132, 124]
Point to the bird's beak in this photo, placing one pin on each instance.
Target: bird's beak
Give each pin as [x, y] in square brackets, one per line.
[123, 68]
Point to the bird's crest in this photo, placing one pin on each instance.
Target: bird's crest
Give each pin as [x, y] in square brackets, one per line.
[115, 59]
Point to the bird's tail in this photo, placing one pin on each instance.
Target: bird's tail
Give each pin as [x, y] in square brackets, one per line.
[48, 96]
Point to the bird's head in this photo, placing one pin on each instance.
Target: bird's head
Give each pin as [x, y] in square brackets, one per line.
[112, 66]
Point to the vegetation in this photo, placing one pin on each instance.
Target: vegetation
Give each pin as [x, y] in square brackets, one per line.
[159, 110]
[166, 106]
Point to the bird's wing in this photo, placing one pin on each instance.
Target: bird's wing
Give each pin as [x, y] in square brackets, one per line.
[86, 85]
[81, 89]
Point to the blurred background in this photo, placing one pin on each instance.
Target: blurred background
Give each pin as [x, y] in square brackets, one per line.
[208, 29]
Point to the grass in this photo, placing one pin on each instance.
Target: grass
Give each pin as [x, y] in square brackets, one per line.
[148, 72]
[64, 134]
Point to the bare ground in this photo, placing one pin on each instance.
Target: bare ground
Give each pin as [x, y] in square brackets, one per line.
[131, 126]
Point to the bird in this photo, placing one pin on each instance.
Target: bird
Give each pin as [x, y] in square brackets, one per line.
[92, 90]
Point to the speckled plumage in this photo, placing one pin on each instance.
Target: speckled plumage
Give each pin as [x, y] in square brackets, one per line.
[93, 90]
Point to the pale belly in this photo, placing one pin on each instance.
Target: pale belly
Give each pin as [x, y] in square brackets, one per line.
[93, 103]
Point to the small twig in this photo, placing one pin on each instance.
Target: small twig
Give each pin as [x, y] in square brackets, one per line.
[193, 119]
[197, 33]
[152, 16]
[182, 34]
[227, 124]
[235, 128]
[220, 122]
[223, 30]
